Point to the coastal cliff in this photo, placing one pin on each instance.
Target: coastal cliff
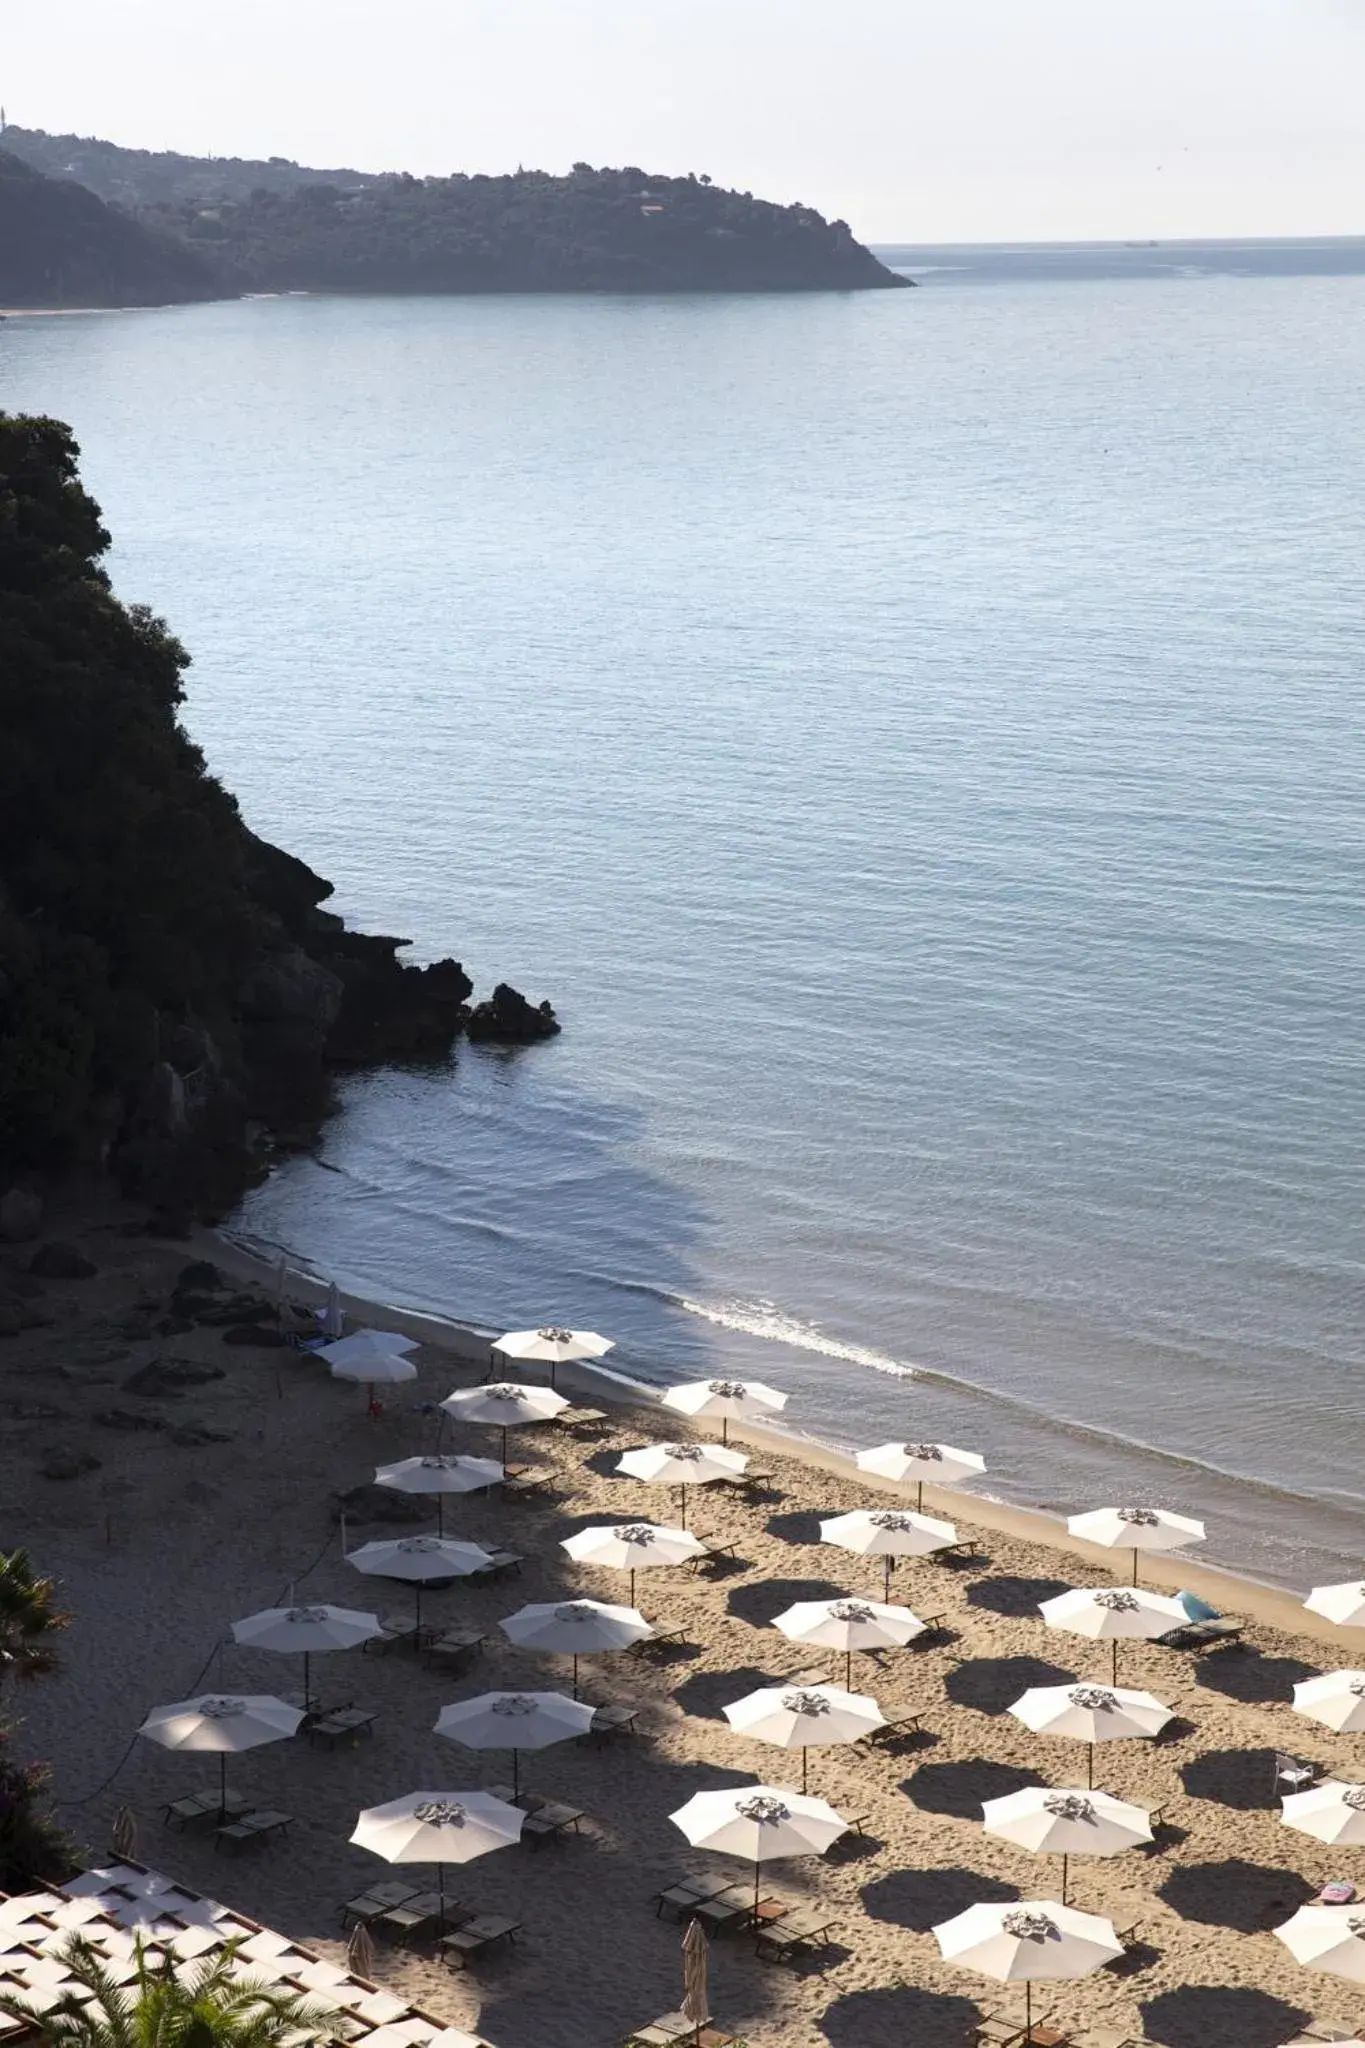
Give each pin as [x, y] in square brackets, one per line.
[173, 995]
[62, 246]
[279, 227]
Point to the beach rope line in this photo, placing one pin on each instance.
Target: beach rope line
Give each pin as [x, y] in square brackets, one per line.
[189, 1692]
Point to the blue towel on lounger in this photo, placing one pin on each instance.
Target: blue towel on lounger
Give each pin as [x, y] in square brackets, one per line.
[1197, 1609]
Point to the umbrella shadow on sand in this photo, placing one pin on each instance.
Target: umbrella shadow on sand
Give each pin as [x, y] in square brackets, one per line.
[900, 2012]
[920, 1899]
[1014, 1596]
[1243, 1674]
[1243, 1779]
[707, 1692]
[799, 1526]
[763, 1601]
[992, 1684]
[962, 1789]
[1221, 2016]
[1247, 1897]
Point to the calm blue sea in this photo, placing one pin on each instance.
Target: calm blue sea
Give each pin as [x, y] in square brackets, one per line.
[915, 740]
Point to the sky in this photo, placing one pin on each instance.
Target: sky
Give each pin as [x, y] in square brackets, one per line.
[914, 120]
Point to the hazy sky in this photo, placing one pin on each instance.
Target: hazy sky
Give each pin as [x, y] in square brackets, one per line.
[923, 120]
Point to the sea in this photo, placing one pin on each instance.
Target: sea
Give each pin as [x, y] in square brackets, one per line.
[915, 741]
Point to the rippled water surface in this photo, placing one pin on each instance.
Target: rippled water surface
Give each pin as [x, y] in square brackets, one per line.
[915, 739]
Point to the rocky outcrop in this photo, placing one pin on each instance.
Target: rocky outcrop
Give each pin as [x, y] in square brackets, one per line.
[508, 1019]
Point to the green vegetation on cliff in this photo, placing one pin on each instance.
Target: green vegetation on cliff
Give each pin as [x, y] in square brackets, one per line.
[61, 246]
[168, 982]
[279, 227]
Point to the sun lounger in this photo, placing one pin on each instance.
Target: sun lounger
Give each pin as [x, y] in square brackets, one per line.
[684, 1896]
[252, 1829]
[584, 1421]
[200, 1809]
[934, 1625]
[757, 1479]
[662, 1639]
[421, 1917]
[501, 1564]
[968, 1547]
[897, 1725]
[674, 2028]
[548, 1819]
[1201, 1635]
[786, 1938]
[396, 1633]
[468, 1941]
[609, 1720]
[521, 1485]
[733, 1910]
[456, 1646]
[380, 1897]
[715, 1550]
[348, 1724]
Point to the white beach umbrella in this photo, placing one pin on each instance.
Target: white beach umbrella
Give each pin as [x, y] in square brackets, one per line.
[1334, 1812]
[939, 1464]
[439, 1828]
[1032, 1942]
[223, 1725]
[759, 1824]
[553, 1346]
[331, 1316]
[372, 1358]
[681, 1465]
[1345, 1605]
[304, 1631]
[515, 1721]
[440, 1476]
[633, 1547]
[887, 1533]
[1110, 1613]
[504, 1405]
[1091, 1714]
[849, 1625]
[575, 1628]
[1330, 1938]
[805, 1717]
[725, 1401]
[419, 1561]
[1337, 1699]
[1066, 1823]
[1136, 1529]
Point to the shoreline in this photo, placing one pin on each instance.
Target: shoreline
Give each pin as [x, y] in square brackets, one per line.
[1236, 1592]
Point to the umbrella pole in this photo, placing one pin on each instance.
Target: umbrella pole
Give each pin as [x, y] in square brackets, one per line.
[803, 1766]
[632, 1585]
[848, 1670]
[516, 1772]
[1028, 2009]
[575, 1675]
[755, 1891]
[1114, 1661]
[1090, 1767]
[307, 1694]
[222, 1784]
[725, 1429]
[1135, 1565]
[504, 1450]
[886, 1581]
[440, 1514]
[1064, 1863]
[919, 1499]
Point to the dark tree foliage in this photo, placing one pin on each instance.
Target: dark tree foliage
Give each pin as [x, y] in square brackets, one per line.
[61, 246]
[121, 897]
[278, 227]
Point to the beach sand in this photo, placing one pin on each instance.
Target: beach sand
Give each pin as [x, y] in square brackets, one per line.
[164, 1544]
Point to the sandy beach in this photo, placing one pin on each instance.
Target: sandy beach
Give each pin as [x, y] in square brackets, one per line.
[162, 1543]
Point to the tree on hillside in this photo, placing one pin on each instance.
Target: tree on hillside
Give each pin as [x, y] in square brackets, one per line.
[29, 1619]
[207, 2007]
